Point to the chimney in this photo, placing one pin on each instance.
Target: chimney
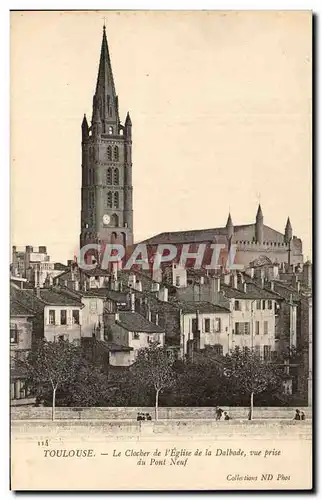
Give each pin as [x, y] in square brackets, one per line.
[76, 285]
[202, 280]
[132, 300]
[294, 280]
[245, 286]
[298, 286]
[291, 298]
[156, 318]
[114, 271]
[272, 286]
[227, 278]
[117, 317]
[163, 294]
[216, 282]
[233, 281]
[262, 281]
[307, 274]
[138, 285]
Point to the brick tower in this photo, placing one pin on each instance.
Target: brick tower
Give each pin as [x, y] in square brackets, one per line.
[107, 207]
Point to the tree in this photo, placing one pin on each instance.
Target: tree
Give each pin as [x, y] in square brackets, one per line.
[50, 366]
[249, 374]
[152, 368]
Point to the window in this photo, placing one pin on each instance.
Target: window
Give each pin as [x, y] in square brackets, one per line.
[109, 200]
[116, 153]
[267, 352]
[264, 305]
[242, 328]
[116, 200]
[237, 305]
[269, 304]
[135, 336]
[14, 334]
[177, 280]
[109, 176]
[265, 327]
[91, 199]
[257, 328]
[207, 325]
[218, 325]
[109, 153]
[194, 325]
[258, 304]
[75, 317]
[63, 317]
[52, 317]
[110, 130]
[116, 176]
[257, 350]
[218, 348]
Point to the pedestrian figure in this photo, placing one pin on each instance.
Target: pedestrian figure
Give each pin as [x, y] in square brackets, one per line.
[138, 417]
[142, 416]
[297, 415]
[302, 415]
[219, 413]
[148, 416]
[227, 417]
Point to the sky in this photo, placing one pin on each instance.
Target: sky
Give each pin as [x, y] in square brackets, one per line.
[221, 109]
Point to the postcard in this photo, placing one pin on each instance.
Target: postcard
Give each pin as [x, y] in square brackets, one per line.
[161, 250]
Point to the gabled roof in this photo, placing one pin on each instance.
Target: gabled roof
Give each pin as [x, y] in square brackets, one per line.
[18, 309]
[202, 307]
[252, 292]
[47, 296]
[134, 322]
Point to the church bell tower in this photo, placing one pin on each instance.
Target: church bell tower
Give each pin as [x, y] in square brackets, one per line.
[107, 207]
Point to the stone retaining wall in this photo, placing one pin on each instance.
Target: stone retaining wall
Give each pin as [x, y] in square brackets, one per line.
[130, 413]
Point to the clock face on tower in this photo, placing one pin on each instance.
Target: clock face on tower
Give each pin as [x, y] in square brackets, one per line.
[106, 219]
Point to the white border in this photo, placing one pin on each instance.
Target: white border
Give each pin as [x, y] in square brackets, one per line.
[4, 184]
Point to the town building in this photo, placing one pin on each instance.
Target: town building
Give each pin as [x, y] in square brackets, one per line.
[107, 207]
[34, 264]
[56, 315]
[21, 328]
[128, 332]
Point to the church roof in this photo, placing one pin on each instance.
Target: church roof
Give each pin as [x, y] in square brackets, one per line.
[241, 232]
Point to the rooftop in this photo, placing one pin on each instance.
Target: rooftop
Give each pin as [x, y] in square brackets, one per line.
[134, 322]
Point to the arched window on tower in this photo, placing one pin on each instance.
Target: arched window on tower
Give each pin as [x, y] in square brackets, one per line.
[109, 176]
[109, 200]
[113, 237]
[114, 220]
[110, 130]
[116, 176]
[116, 200]
[109, 153]
[116, 153]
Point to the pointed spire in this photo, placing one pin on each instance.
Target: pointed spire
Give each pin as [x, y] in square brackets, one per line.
[105, 89]
[229, 227]
[259, 214]
[128, 121]
[229, 221]
[85, 128]
[84, 122]
[288, 233]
